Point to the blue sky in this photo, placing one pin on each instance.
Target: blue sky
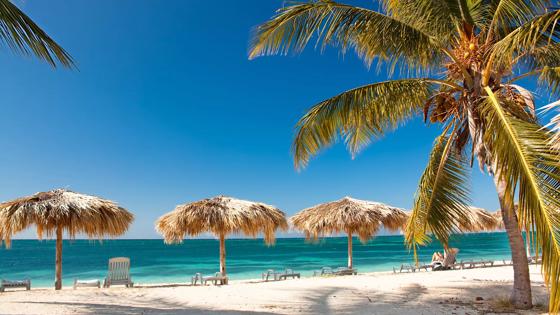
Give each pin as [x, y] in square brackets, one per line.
[166, 109]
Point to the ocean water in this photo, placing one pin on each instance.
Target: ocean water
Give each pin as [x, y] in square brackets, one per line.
[152, 261]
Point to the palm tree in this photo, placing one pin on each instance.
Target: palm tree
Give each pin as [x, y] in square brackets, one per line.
[22, 35]
[466, 56]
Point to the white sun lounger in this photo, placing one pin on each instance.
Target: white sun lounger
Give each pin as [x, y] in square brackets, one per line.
[288, 273]
[196, 278]
[94, 283]
[218, 277]
[323, 272]
[10, 284]
[270, 274]
[470, 264]
[411, 268]
[119, 272]
[344, 271]
[449, 261]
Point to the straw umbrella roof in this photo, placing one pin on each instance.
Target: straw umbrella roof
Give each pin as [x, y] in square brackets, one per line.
[73, 212]
[498, 216]
[221, 215]
[479, 220]
[348, 214]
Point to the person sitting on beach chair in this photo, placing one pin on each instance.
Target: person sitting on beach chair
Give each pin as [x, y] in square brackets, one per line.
[437, 256]
[449, 260]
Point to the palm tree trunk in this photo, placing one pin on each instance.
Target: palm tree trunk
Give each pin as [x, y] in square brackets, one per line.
[223, 255]
[521, 295]
[350, 250]
[58, 268]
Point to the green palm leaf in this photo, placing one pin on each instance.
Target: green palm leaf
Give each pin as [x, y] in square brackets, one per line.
[442, 197]
[22, 35]
[507, 13]
[435, 17]
[540, 31]
[525, 160]
[358, 115]
[371, 34]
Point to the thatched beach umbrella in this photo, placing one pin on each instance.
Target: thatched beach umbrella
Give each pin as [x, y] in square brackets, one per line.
[351, 216]
[478, 220]
[221, 216]
[475, 220]
[58, 211]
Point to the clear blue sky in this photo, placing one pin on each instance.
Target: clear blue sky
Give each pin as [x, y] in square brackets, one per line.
[166, 109]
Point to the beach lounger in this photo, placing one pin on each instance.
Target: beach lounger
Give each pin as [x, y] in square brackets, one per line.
[534, 259]
[94, 283]
[469, 264]
[288, 273]
[449, 261]
[119, 273]
[344, 271]
[196, 278]
[218, 277]
[9, 284]
[411, 268]
[269, 274]
[323, 272]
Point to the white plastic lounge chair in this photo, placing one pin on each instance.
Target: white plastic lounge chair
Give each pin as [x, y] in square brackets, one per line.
[9, 284]
[507, 262]
[469, 264]
[323, 272]
[119, 272]
[94, 283]
[534, 259]
[345, 271]
[218, 277]
[196, 278]
[288, 273]
[404, 268]
[270, 274]
[449, 261]
[411, 268]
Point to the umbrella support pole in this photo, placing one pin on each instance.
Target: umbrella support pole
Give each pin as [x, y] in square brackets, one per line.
[58, 268]
[223, 255]
[350, 263]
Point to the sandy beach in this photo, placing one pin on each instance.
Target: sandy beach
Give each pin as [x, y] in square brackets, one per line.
[472, 291]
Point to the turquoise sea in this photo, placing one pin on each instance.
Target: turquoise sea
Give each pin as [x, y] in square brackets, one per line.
[154, 262]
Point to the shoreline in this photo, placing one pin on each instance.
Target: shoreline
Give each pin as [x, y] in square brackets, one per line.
[468, 291]
[497, 264]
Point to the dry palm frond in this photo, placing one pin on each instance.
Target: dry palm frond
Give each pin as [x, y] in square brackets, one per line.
[221, 215]
[75, 213]
[350, 216]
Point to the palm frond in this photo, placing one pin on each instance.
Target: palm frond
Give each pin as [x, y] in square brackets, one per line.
[358, 115]
[507, 13]
[440, 205]
[544, 62]
[537, 32]
[435, 17]
[371, 34]
[554, 125]
[21, 34]
[525, 161]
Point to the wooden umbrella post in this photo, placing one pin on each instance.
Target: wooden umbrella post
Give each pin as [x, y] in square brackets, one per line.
[223, 255]
[350, 264]
[58, 268]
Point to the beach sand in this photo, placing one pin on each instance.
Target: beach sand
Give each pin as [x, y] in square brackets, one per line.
[443, 292]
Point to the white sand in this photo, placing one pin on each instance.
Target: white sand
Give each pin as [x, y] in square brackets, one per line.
[443, 292]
